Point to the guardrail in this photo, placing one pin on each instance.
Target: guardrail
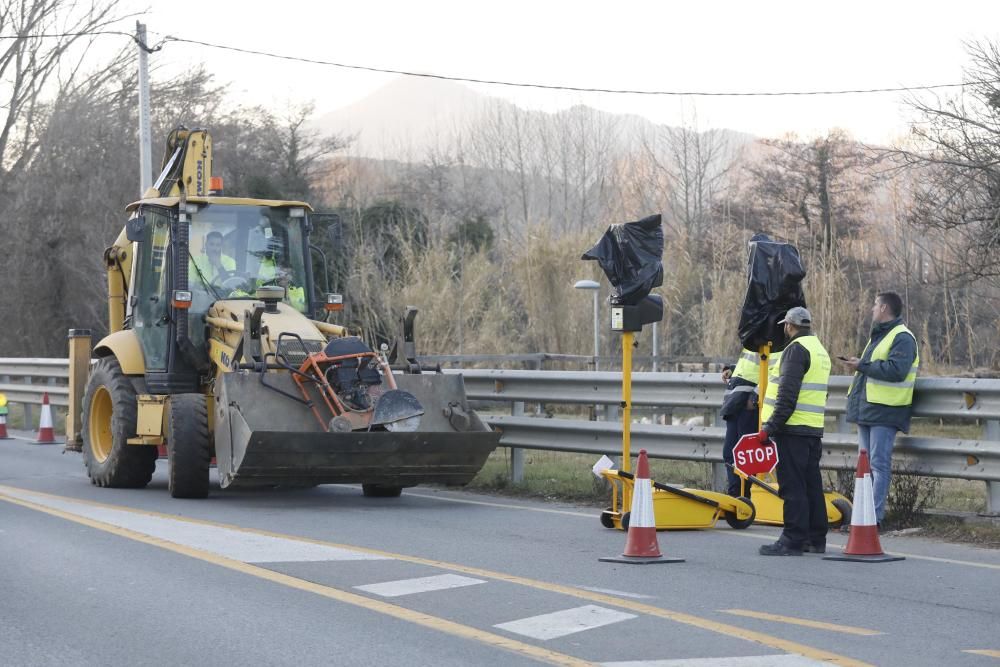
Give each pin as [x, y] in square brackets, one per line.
[969, 399]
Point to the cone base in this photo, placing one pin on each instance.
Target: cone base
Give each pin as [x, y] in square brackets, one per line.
[640, 560]
[864, 558]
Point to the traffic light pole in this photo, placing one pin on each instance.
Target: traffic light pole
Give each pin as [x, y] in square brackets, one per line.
[765, 353]
[627, 340]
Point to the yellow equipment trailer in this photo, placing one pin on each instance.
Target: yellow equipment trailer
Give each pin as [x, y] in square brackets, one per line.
[675, 508]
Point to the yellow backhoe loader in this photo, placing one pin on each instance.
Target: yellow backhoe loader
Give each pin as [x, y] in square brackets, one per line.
[218, 348]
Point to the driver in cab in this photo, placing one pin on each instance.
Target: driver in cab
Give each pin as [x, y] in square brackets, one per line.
[272, 273]
[212, 265]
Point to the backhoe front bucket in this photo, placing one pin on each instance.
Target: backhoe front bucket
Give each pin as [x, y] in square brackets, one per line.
[263, 437]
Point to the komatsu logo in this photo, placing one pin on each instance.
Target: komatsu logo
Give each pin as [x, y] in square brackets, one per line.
[199, 185]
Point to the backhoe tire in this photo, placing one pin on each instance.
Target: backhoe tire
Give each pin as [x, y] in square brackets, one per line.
[109, 420]
[189, 446]
[381, 490]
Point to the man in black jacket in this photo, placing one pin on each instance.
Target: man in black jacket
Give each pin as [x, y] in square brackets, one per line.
[793, 413]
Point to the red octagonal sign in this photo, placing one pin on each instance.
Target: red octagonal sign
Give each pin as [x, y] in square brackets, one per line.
[751, 457]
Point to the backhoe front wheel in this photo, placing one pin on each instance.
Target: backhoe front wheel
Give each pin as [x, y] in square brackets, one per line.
[189, 447]
[109, 420]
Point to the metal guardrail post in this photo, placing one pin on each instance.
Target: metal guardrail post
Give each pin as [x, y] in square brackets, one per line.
[29, 417]
[720, 480]
[991, 432]
[516, 453]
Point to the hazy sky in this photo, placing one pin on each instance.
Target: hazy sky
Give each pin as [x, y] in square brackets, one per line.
[706, 45]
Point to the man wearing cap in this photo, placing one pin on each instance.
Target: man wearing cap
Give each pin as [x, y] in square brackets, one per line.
[880, 400]
[793, 412]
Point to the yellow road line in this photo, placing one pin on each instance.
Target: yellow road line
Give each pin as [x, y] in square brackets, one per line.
[401, 613]
[820, 625]
[986, 652]
[631, 605]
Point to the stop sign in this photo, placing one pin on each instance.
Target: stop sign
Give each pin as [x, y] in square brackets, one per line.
[751, 457]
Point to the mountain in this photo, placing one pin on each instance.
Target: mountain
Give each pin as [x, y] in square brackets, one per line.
[405, 117]
[410, 116]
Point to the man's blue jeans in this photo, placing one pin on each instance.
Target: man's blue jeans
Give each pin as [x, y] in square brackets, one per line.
[878, 441]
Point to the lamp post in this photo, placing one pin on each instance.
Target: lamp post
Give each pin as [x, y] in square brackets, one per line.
[596, 289]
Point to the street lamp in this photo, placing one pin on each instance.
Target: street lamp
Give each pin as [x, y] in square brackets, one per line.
[596, 289]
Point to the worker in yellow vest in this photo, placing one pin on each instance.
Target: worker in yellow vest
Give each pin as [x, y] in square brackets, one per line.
[739, 410]
[212, 266]
[271, 273]
[793, 413]
[880, 400]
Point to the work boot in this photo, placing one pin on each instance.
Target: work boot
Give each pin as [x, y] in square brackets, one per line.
[780, 548]
[814, 548]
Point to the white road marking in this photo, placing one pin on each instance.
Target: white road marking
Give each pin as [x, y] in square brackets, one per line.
[566, 622]
[784, 660]
[393, 589]
[506, 506]
[234, 544]
[621, 594]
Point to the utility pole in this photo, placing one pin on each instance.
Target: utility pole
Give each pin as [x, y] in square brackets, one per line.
[145, 133]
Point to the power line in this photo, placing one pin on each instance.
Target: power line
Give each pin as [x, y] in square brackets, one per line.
[116, 33]
[514, 84]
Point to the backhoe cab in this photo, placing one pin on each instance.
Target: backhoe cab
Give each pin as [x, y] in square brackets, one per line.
[218, 348]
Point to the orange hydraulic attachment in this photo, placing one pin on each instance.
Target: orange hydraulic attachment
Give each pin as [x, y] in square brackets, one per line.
[342, 416]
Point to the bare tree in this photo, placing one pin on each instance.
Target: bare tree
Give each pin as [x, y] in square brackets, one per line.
[955, 153]
[693, 169]
[44, 32]
[818, 185]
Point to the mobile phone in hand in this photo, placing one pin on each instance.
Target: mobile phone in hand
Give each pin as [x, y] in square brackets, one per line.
[842, 358]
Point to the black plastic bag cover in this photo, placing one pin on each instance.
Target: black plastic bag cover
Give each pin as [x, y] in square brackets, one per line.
[774, 284]
[631, 256]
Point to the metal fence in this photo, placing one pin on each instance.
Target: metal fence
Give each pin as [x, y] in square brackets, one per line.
[968, 400]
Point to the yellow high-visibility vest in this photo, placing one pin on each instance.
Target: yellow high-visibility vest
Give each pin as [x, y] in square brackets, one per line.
[748, 366]
[810, 406]
[890, 393]
[210, 272]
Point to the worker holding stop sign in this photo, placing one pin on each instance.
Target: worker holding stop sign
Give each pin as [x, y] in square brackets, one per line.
[793, 414]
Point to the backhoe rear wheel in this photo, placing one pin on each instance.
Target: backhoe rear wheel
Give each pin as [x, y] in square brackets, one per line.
[189, 447]
[109, 420]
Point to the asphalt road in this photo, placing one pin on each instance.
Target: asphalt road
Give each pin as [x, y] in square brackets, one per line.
[324, 576]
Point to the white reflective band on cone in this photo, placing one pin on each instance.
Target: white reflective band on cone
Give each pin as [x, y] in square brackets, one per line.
[642, 505]
[864, 500]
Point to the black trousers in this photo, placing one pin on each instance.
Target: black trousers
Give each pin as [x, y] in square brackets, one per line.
[738, 425]
[801, 489]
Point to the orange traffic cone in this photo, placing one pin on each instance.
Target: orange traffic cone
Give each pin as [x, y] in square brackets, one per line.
[863, 544]
[46, 435]
[640, 544]
[3, 424]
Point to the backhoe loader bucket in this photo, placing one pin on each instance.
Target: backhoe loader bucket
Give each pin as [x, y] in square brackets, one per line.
[264, 435]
